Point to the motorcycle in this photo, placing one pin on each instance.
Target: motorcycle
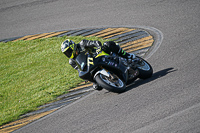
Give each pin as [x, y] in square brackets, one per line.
[110, 71]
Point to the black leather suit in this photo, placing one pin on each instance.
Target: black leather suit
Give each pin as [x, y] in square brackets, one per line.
[88, 45]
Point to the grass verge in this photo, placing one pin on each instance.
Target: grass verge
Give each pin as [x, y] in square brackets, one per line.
[32, 74]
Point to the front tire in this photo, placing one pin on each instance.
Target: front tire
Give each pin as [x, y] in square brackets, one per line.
[114, 85]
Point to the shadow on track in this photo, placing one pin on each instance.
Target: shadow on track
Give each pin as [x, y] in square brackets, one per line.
[155, 76]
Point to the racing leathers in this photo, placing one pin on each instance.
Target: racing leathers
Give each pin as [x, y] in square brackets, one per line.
[94, 46]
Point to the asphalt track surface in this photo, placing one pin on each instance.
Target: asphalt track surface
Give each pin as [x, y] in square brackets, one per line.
[167, 102]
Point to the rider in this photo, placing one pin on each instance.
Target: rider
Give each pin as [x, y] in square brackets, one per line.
[72, 50]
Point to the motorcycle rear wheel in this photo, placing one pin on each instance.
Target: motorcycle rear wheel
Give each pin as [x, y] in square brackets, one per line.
[114, 85]
[145, 69]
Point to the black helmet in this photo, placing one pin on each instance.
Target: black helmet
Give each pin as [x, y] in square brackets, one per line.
[68, 47]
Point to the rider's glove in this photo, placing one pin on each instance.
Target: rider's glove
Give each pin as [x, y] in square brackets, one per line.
[102, 48]
[99, 49]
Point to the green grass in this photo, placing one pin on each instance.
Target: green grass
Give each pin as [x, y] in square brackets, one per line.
[33, 73]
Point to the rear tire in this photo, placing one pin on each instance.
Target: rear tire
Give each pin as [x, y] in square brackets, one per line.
[145, 70]
[117, 86]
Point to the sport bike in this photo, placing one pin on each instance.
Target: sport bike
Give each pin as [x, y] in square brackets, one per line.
[111, 71]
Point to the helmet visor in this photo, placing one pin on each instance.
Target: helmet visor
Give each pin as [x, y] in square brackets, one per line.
[68, 52]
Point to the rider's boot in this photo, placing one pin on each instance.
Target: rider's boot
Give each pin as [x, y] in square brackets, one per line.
[126, 55]
[132, 59]
[97, 87]
[131, 56]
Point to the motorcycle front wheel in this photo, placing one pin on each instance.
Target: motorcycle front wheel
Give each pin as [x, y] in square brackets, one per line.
[112, 83]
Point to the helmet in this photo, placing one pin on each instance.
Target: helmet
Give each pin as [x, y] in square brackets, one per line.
[68, 47]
